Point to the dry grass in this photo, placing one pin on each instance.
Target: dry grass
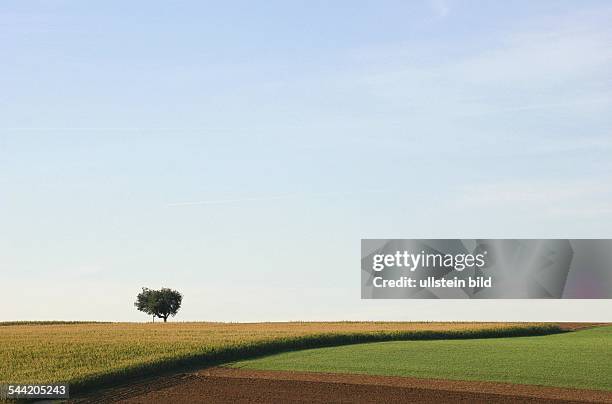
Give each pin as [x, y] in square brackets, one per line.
[90, 354]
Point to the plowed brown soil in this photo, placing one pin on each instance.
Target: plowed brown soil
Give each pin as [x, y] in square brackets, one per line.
[225, 385]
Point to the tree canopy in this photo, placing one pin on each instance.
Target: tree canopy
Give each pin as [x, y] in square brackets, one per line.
[159, 303]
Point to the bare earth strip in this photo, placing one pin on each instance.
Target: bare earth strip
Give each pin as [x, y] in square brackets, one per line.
[225, 385]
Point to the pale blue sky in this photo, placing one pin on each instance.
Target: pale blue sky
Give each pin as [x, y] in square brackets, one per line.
[239, 151]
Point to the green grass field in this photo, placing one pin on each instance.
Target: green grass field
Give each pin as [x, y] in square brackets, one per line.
[88, 355]
[581, 359]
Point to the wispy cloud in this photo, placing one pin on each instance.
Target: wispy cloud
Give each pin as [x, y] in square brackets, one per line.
[558, 198]
[229, 201]
[544, 64]
[440, 7]
[274, 197]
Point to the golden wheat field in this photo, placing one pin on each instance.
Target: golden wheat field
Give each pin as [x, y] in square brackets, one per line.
[88, 354]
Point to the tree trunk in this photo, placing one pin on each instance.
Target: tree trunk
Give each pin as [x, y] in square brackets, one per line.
[165, 319]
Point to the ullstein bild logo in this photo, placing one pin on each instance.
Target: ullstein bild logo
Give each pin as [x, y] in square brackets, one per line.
[486, 269]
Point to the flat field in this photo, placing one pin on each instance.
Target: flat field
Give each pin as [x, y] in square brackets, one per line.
[91, 354]
[580, 359]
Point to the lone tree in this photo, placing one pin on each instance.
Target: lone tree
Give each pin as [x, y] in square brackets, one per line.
[159, 303]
